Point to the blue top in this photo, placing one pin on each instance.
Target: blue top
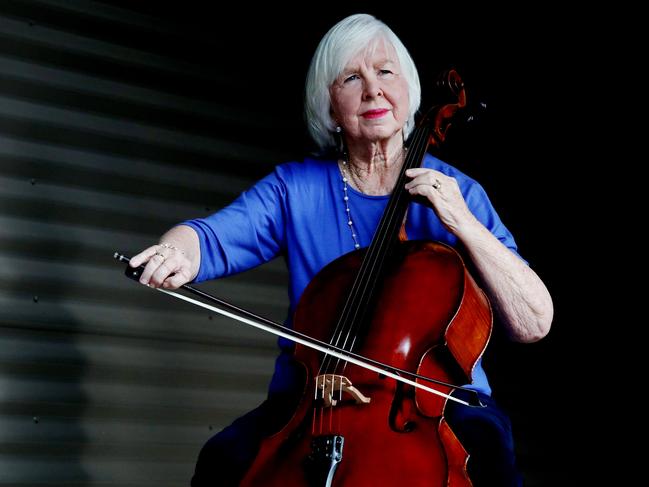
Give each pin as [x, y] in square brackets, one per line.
[298, 211]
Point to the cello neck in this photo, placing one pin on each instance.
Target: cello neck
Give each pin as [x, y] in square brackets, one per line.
[431, 130]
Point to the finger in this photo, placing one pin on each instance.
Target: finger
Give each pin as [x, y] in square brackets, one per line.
[167, 268]
[418, 171]
[164, 270]
[427, 179]
[416, 179]
[416, 182]
[174, 281]
[144, 256]
[152, 266]
[423, 190]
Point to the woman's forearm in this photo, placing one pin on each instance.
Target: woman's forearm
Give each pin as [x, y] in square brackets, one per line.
[517, 294]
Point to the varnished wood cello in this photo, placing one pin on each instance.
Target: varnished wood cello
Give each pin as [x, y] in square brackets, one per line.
[410, 304]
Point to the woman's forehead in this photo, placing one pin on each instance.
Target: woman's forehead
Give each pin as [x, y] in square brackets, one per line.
[379, 51]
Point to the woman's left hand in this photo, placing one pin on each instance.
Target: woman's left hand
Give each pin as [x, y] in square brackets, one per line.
[443, 195]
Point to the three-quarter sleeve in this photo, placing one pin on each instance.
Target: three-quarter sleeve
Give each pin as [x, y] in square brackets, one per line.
[244, 234]
[481, 207]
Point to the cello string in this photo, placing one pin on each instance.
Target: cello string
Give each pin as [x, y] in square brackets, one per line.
[339, 416]
[377, 253]
[364, 281]
[366, 267]
[331, 409]
[315, 399]
[394, 217]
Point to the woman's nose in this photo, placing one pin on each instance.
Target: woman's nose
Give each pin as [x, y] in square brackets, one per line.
[372, 88]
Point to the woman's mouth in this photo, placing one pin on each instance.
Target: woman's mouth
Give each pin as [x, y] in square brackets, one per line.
[378, 113]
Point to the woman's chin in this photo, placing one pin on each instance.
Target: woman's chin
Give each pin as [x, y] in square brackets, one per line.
[378, 134]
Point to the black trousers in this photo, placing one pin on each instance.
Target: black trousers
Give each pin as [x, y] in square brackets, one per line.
[484, 432]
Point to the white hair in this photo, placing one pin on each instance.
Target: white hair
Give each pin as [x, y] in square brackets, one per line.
[345, 40]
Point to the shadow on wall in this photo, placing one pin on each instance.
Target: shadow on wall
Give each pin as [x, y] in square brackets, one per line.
[42, 401]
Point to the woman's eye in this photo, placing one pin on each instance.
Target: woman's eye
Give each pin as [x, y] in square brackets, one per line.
[385, 71]
[350, 78]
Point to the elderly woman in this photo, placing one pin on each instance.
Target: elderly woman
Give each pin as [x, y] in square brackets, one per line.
[362, 92]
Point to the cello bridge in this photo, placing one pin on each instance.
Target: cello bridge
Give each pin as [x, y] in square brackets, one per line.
[330, 385]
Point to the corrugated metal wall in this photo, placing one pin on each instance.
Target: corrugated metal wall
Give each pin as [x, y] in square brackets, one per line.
[112, 129]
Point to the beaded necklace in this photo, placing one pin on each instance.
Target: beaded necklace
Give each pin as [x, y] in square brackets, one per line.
[348, 213]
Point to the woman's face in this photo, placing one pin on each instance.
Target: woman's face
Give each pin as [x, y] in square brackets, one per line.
[369, 100]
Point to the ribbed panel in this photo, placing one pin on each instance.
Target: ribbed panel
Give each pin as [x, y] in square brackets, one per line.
[113, 127]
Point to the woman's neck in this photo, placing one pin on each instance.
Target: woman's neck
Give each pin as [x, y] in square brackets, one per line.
[374, 171]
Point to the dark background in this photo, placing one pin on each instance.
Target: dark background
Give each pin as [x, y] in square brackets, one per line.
[529, 148]
[553, 87]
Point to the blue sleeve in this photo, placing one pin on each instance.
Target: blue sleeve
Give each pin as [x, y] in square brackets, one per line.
[480, 205]
[244, 234]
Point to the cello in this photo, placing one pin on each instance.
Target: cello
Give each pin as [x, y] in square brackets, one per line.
[410, 304]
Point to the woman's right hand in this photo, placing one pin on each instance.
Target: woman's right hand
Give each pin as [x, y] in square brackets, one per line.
[171, 263]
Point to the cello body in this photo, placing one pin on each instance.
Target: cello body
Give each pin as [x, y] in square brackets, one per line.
[427, 316]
